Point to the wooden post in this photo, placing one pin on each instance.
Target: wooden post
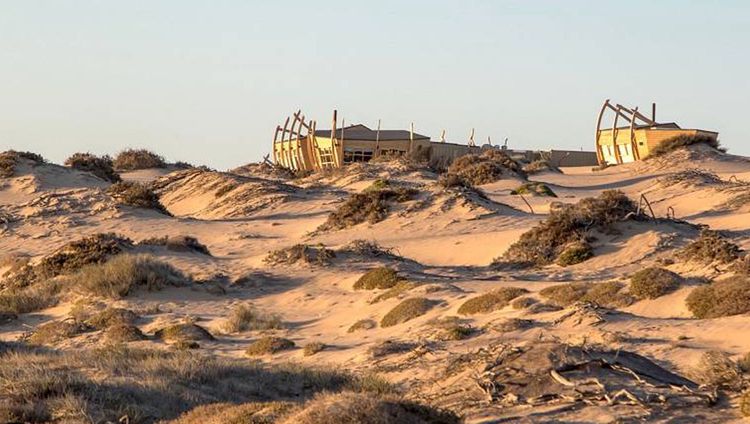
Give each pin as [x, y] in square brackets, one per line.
[599, 153]
[333, 127]
[489, 140]
[471, 137]
[442, 136]
[411, 137]
[377, 140]
[653, 112]
[618, 158]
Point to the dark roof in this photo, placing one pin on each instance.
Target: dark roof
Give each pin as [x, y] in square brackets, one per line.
[668, 125]
[361, 132]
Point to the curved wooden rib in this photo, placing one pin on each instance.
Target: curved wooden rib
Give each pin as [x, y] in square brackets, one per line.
[633, 142]
[599, 154]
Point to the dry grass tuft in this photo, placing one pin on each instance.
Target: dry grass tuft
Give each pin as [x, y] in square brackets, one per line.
[118, 383]
[544, 243]
[677, 142]
[246, 318]
[492, 301]
[710, 247]
[535, 189]
[363, 324]
[653, 282]
[575, 253]
[368, 409]
[137, 195]
[102, 166]
[133, 159]
[720, 298]
[317, 255]
[484, 168]
[244, 413]
[407, 310]
[719, 370]
[378, 278]
[15, 301]
[312, 348]
[185, 332]
[123, 333]
[178, 244]
[56, 331]
[370, 206]
[123, 274]
[269, 345]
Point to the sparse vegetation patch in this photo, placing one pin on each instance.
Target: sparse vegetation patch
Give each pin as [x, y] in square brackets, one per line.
[488, 302]
[608, 294]
[720, 298]
[269, 345]
[124, 273]
[137, 195]
[178, 244]
[185, 332]
[653, 282]
[133, 159]
[535, 189]
[710, 247]
[369, 206]
[247, 318]
[317, 255]
[101, 166]
[484, 168]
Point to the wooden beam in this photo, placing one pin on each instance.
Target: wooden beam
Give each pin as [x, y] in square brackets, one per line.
[618, 158]
[599, 153]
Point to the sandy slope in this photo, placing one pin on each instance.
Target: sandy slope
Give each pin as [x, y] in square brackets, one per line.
[449, 241]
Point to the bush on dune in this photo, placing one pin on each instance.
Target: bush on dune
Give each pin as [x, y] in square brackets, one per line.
[488, 302]
[710, 247]
[720, 298]
[544, 243]
[378, 278]
[370, 206]
[653, 282]
[10, 158]
[677, 142]
[486, 167]
[136, 195]
[134, 159]
[407, 310]
[101, 166]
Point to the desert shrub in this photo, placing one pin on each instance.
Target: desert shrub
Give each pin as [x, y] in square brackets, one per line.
[575, 253]
[368, 249]
[507, 325]
[534, 188]
[486, 167]
[453, 181]
[378, 278]
[312, 348]
[674, 143]
[102, 166]
[94, 249]
[146, 386]
[608, 294]
[538, 166]
[369, 206]
[719, 370]
[720, 298]
[451, 328]
[745, 404]
[110, 316]
[522, 302]
[133, 159]
[56, 331]
[368, 409]
[245, 318]
[399, 289]
[177, 244]
[318, 255]
[269, 345]
[363, 324]
[10, 158]
[184, 332]
[137, 195]
[742, 265]
[488, 302]
[407, 310]
[122, 274]
[710, 247]
[653, 282]
[565, 294]
[123, 333]
[15, 301]
[544, 243]
[390, 347]
[244, 413]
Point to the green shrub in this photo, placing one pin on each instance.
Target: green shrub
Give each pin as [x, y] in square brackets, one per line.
[133, 159]
[534, 188]
[185, 332]
[269, 345]
[575, 253]
[544, 243]
[674, 143]
[488, 302]
[653, 282]
[407, 310]
[720, 298]
[102, 166]
[122, 274]
[245, 318]
[378, 278]
[137, 195]
[710, 247]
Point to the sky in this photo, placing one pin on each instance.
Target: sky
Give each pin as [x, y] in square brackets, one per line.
[207, 82]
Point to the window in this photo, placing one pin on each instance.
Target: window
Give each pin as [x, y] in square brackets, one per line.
[357, 154]
[326, 158]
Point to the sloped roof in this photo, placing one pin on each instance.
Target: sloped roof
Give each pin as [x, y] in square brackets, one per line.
[361, 132]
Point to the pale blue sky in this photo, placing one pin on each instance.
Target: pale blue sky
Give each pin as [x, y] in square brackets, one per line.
[208, 81]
